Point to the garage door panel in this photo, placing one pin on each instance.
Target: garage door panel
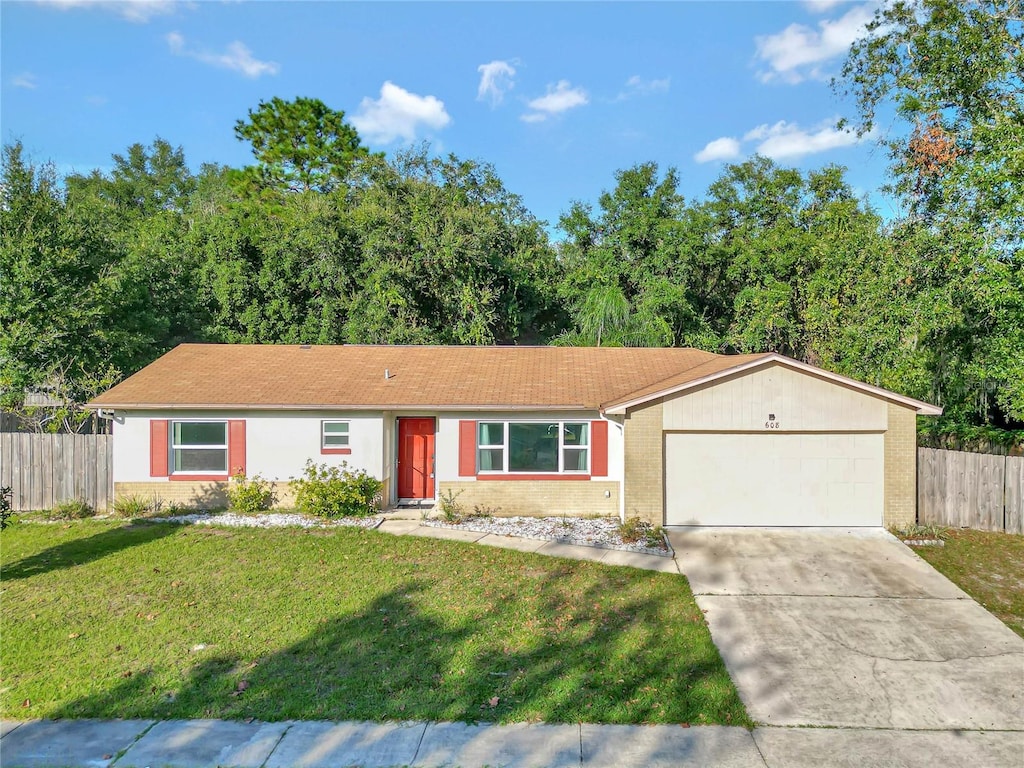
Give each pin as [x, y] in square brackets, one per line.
[774, 479]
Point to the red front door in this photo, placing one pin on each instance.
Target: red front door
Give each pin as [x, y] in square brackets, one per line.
[416, 458]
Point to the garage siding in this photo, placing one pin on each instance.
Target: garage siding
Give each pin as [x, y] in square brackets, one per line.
[799, 402]
[775, 446]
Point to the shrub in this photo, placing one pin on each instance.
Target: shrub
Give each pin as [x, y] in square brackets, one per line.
[6, 494]
[136, 506]
[73, 509]
[249, 494]
[451, 510]
[637, 531]
[328, 491]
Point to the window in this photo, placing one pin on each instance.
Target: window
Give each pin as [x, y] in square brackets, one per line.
[199, 446]
[534, 447]
[333, 435]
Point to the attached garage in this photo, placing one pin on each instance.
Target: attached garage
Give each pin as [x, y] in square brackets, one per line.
[774, 479]
[772, 443]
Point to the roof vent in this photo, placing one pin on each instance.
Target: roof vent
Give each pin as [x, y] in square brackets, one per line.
[304, 346]
[387, 374]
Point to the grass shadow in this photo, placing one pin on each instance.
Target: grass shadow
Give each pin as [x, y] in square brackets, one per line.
[399, 659]
[80, 551]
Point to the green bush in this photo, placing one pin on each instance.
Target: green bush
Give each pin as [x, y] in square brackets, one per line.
[6, 494]
[328, 491]
[249, 494]
[73, 509]
[135, 506]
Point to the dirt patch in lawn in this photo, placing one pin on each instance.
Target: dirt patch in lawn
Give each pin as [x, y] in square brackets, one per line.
[987, 566]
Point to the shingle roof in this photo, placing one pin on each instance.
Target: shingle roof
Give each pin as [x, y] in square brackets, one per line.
[275, 376]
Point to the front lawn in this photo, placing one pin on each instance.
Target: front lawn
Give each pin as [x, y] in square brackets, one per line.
[987, 566]
[107, 619]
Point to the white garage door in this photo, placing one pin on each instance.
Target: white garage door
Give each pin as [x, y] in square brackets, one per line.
[773, 479]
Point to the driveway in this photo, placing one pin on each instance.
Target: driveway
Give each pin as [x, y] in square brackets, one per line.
[849, 628]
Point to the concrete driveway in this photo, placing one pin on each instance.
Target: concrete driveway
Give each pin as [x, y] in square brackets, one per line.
[849, 628]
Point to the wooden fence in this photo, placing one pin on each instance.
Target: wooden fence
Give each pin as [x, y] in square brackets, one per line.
[970, 490]
[44, 470]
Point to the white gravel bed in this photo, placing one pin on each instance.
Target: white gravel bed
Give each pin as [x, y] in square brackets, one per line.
[268, 520]
[590, 532]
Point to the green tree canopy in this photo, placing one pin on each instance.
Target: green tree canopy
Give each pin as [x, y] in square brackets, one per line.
[299, 145]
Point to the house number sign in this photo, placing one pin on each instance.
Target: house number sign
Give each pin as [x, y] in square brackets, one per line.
[771, 423]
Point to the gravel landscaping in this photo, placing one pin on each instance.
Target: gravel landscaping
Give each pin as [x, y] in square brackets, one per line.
[592, 532]
[268, 520]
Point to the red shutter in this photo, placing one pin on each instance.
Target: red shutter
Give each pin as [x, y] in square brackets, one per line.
[236, 447]
[467, 448]
[158, 443]
[599, 448]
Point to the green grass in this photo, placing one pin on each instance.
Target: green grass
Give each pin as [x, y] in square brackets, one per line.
[107, 619]
[987, 566]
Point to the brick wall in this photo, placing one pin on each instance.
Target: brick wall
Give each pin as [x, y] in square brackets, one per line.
[900, 467]
[538, 498]
[198, 495]
[644, 463]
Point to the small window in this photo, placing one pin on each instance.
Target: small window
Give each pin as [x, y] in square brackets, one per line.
[333, 434]
[491, 443]
[200, 446]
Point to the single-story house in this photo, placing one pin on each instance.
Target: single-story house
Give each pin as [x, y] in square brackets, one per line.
[673, 436]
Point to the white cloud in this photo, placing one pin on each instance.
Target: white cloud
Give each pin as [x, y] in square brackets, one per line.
[24, 80]
[725, 148]
[797, 52]
[495, 81]
[139, 11]
[398, 114]
[820, 6]
[560, 97]
[236, 57]
[637, 86]
[784, 141]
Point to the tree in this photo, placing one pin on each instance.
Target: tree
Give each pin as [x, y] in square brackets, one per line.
[449, 256]
[954, 72]
[59, 310]
[627, 278]
[299, 145]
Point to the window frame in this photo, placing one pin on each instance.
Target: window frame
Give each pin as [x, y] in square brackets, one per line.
[329, 450]
[507, 424]
[174, 447]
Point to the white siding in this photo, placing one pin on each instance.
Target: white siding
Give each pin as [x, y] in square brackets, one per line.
[278, 443]
[799, 402]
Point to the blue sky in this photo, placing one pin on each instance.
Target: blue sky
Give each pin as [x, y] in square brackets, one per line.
[557, 96]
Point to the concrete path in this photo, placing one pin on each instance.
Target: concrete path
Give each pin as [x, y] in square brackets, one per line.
[851, 629]
[207, 743]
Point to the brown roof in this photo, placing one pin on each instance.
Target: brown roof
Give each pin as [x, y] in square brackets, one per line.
[269, 376]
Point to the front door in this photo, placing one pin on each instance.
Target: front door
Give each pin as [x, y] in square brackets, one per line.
[416, 458]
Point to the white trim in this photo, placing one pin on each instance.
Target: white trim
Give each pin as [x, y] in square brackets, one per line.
[173, 447]
[324, 433]
[506, 450]
[924, 409]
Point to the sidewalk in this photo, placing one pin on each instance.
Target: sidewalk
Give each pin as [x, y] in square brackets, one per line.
[207, 743]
